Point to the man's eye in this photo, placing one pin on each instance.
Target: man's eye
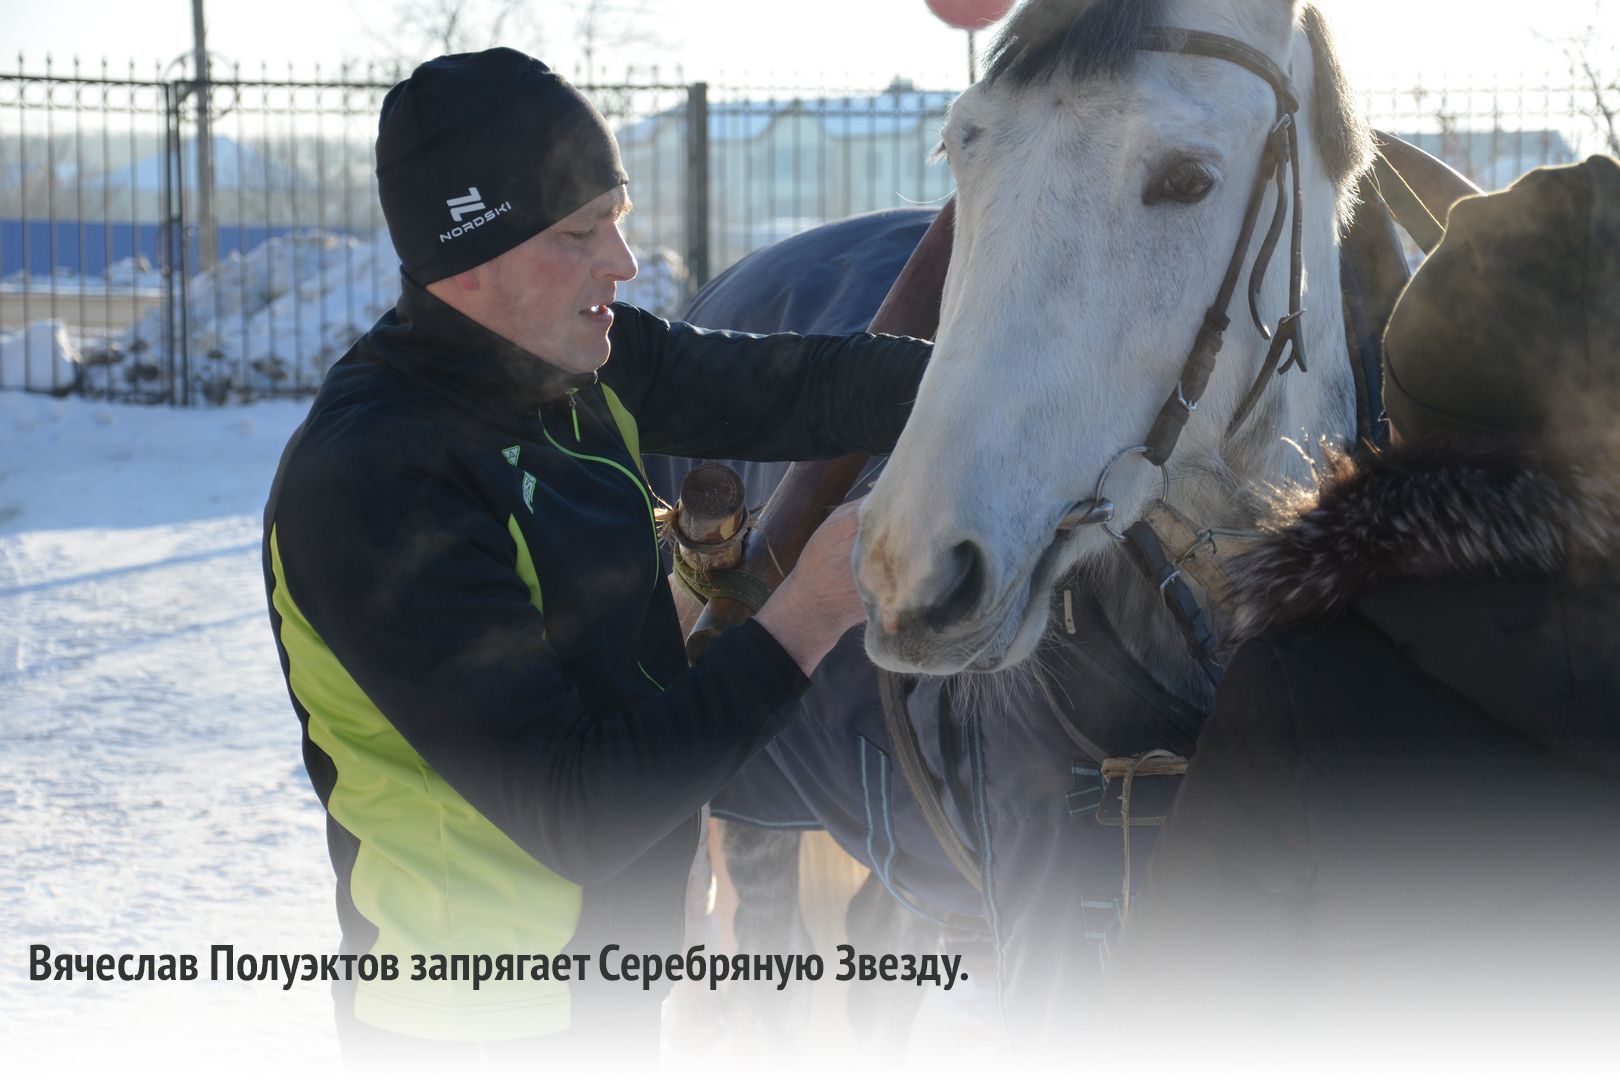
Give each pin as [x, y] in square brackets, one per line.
[1183, 182]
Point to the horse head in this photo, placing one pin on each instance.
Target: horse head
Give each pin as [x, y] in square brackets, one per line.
[1103, 182]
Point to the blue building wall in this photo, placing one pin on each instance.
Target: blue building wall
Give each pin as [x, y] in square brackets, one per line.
[88, 248]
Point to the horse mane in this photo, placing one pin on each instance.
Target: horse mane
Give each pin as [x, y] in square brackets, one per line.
[1083, 38]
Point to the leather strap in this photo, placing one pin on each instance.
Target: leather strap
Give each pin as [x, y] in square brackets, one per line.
[1408, 209]
[1172, 39]
[893, 688]
[1419, 187]
[1279, 162]
[1147, 553]
[1198, 553]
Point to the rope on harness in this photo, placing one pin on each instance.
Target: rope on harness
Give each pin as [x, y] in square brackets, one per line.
[1126, 769]
[738, 585]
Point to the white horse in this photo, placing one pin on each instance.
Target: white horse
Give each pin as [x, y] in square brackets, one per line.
[1101, 191]
[1104, 180]
[1106, 172]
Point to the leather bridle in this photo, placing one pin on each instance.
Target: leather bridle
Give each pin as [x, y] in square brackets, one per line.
[1160, 560]
[1420, 191]
[1279, 163]
[1279, 170]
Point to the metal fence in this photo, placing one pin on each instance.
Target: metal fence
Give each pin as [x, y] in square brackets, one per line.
[151, 250]
[1495, 134]
[149, 254]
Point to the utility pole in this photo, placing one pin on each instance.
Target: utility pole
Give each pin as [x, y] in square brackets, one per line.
[207, 227]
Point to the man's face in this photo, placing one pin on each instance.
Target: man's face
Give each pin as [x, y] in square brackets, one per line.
[550, 294]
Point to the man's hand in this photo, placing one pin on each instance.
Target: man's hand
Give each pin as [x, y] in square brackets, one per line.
[816, 603]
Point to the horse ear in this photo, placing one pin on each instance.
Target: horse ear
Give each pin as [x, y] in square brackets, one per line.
[1342, 135]
[1269, 23]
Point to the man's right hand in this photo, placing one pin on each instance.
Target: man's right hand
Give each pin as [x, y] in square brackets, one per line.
[818, 601]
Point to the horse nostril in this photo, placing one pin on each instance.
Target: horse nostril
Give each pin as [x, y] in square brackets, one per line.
[960, 583]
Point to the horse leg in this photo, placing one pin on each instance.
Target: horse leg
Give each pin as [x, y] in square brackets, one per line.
[763, 868]
[694, 1024]
[882, 1014]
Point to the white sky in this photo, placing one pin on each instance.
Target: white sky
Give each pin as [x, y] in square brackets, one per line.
[863, 42]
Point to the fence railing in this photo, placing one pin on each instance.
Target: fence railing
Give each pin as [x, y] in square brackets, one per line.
[140, 262]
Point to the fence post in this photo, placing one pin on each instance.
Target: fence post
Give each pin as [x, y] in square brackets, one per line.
[697, 184]
[203, 88]
[176, 250]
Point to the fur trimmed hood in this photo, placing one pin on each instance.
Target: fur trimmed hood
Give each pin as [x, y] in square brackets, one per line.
[1426, 513]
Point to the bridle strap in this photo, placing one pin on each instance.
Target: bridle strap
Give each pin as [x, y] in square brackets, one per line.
[1278, 161]
[1172, 39]
[1147, 552]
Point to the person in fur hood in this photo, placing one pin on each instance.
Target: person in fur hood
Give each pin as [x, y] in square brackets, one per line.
[1403, 817]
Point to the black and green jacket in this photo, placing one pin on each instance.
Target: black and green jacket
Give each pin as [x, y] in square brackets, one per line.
[465, 590]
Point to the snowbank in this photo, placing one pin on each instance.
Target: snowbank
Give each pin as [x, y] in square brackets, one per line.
[132, 272]
[271, 322]
[39, 357]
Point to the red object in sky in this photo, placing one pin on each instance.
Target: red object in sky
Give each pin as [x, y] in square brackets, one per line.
[970, 14]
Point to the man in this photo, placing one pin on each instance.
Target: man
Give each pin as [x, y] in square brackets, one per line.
[463, 570]
[1402, 825]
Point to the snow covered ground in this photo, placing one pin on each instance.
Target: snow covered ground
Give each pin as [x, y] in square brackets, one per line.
[151, 793]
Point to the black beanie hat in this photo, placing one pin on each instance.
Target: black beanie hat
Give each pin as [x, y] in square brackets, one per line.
[1512, 327]
[477, 152]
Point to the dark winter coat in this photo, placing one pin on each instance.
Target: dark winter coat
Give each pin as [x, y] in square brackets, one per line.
[1406, 803]
[478, 638]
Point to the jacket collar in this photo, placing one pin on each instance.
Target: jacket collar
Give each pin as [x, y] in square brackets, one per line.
[1422, 513]
[434, 345]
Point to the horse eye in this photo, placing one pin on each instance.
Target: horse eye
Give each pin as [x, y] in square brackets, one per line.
[1183, 182]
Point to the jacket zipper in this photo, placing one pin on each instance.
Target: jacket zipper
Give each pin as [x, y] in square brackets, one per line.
[639, 485]
[573, 411]
[635, 481]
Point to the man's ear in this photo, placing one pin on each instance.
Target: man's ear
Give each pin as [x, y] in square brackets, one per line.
[468, 280]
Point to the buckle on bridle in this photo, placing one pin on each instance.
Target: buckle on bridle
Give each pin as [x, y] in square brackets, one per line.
[1168, 580]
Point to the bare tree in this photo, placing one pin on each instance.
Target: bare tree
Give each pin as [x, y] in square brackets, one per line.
[1594, 64]
[1594, 68]
[431, 27]
[621, 28]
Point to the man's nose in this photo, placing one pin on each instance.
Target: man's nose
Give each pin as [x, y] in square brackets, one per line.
[619, 263]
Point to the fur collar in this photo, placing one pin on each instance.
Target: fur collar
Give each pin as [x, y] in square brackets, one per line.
[1428, 513]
